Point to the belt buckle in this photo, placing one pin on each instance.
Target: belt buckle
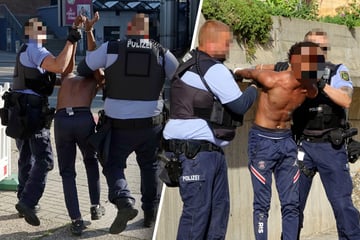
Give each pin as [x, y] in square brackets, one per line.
[70, 111]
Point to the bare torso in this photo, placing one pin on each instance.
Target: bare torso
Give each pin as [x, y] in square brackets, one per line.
[76, 91]
[276, 104]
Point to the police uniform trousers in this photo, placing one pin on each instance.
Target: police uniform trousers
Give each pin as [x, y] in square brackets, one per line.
[333, 167]
[72, 127]
[204, 191]
[35, 161]
[144, 141]
[269, 152]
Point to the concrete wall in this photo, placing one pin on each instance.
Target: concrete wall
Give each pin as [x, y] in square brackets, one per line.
[318, 213]
[345, 45]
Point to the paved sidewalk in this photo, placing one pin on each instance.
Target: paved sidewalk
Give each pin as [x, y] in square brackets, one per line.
[53, 215]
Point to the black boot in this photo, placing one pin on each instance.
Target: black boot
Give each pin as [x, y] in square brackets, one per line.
[28, 213]
[126, 212]
[149, 218]
[36, 209]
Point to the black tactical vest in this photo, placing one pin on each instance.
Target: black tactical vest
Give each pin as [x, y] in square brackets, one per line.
[187, 102]
[138, 72]
[31, 78]
[320, 113]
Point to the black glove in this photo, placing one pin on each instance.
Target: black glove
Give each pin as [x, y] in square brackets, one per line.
[73, 36]
[236, 77]
[321, 83]
[281, 66]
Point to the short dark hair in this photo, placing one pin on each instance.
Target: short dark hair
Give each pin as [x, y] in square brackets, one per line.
[296, 50]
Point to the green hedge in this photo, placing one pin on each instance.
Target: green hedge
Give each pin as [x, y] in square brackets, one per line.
[251, 20]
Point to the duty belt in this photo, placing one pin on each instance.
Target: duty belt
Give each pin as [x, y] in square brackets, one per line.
[182, 146]
[136, 123]
[316, 139]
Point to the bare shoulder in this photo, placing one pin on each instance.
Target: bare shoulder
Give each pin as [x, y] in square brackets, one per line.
[287, 78]
[284, 79]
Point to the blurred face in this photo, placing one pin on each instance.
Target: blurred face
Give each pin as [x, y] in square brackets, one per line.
[220, 46]
[306, 65]
[321, 40]
[36, 32]
[139, 26]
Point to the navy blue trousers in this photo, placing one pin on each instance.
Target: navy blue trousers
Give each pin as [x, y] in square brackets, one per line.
[204, 191]
[274, 152]
[145, 143]
[72, 131]
[333, 167]
[35, 161]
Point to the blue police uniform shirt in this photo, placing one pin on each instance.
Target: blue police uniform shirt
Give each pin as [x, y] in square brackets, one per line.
[128, 109]
[341, 78]
[32, 57]
[223, 85]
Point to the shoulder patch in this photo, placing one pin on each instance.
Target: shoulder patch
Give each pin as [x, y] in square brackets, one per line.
[344, 75]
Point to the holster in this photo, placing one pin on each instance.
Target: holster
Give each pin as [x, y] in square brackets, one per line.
[26, 114]
[353, 149]
[171, 169]
[4, 111]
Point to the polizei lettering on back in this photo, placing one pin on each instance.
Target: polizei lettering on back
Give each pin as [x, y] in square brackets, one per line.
[143, 43]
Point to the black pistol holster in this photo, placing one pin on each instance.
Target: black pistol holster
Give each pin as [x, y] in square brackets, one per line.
[353, 149]
[171, 169]
[24, 114]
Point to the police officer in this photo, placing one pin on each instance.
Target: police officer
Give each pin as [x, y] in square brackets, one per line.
[318, 126]
[30, 116]
[315, 125]
[271, 148]
[73, 124]
[135, 70]
[206, 106]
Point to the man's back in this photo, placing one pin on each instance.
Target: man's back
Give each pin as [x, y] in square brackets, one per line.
[76, 91]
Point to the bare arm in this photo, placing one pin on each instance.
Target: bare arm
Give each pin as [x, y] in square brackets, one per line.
[265, 67]
[341, 96]
[64, 63]
[91, 45]
[60, 63]
[71, 65]
[265, 77]
[278, 67]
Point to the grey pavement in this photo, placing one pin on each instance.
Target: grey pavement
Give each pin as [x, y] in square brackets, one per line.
[53, 215]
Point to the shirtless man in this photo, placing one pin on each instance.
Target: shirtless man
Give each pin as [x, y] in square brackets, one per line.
[271, 148]
[73, 124]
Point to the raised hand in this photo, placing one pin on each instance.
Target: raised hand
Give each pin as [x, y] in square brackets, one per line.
[79, 21]
[90, 23]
